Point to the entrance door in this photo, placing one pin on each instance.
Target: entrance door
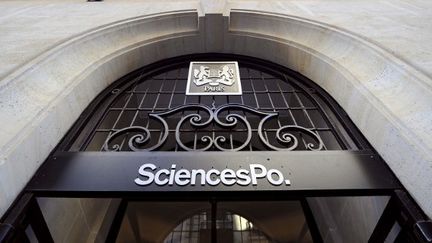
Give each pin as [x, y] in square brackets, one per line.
[221, 168]
[216, 221]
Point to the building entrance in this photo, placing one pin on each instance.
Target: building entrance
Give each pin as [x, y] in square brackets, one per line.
[279, 161]
[224, 221]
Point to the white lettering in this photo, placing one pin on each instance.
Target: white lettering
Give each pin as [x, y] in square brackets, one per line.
[182, 177]
[277, 182]
[228, 177]
[147, 174]
[158, 180]
[171, 178]
[209, 179]
[242, 174]
[213, 177]
[256, 175]
[201, 172]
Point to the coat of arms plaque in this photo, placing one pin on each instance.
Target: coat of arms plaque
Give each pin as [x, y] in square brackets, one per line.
[213, 78]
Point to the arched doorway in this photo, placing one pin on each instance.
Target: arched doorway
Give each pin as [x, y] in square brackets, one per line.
[230, 227]
[260, 221]
[145, 122]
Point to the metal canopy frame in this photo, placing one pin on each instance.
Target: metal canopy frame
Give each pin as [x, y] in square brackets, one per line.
[362, 170]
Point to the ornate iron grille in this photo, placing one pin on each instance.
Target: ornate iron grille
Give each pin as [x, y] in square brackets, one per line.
[279, 110]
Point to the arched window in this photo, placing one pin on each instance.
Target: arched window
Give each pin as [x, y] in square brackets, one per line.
[233, 227]
[279, 110]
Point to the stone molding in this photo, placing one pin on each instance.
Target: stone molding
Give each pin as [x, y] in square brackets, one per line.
[385, 97]
[40, 101]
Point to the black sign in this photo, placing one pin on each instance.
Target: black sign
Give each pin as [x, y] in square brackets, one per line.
[211, 171]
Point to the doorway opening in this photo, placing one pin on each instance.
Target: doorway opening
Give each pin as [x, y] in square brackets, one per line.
[205, 221]
[280, 163]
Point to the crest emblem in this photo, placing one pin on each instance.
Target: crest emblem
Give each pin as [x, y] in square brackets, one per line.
[213, 78]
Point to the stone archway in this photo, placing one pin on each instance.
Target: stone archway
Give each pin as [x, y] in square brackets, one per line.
[386, 98]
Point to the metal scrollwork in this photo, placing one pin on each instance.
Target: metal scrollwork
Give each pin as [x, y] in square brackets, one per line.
[285, 135]
[138, 139]
[196, 121]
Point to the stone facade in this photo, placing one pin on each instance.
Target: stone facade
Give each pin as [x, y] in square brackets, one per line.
[373, 57]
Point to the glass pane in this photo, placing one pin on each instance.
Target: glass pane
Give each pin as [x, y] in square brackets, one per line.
[236, 222]
[271, 221]
[348, 219]
[76, 219]
[165, 222]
